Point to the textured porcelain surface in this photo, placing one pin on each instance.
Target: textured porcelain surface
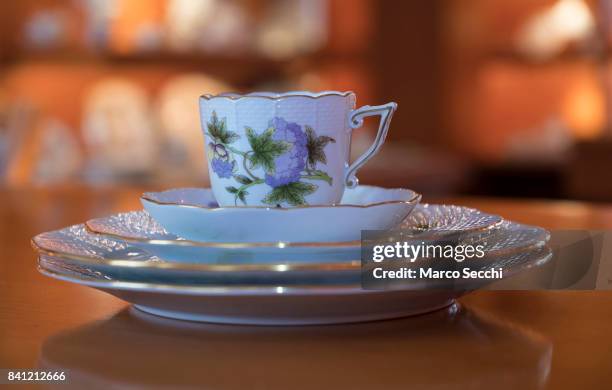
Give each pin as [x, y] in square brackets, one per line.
[188, 213]
[230, 265]
[448, 218]
[142, 231]
[287, 149]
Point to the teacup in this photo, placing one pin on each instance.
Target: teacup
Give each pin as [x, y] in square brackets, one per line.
[285, 150]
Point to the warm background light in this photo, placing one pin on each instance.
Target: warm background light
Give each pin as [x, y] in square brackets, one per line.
[483, 86]
[584, 108]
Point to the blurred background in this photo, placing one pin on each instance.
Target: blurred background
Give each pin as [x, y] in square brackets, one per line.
[496, 97]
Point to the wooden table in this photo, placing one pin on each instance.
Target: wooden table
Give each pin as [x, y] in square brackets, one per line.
[558, 340]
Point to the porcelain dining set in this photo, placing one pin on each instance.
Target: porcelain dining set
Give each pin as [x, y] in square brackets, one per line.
[277, 239]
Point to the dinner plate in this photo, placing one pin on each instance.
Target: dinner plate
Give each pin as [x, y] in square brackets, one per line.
[119, 260]
[426, 222]
[192, 213]
[261, 305]
[266, 305]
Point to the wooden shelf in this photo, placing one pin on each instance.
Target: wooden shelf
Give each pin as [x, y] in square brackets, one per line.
[172, 57]
[512, 56]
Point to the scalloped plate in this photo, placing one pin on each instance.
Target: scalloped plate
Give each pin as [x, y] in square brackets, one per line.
[117, 259]
[141, 230]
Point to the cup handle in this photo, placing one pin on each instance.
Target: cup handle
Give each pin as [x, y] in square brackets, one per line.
[356, 120]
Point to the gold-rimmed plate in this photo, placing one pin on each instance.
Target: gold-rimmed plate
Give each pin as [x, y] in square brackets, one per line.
[118, 259]
[299, 303]
[259, 305]
[143, 231]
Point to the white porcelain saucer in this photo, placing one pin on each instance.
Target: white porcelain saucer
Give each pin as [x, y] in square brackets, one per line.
[192, 213]
[141, 230]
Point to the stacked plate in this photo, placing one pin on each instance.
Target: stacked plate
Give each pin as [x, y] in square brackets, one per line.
[186, 258]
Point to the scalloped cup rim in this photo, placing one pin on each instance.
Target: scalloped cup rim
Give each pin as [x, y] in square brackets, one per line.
[409, 197]
[275, 95]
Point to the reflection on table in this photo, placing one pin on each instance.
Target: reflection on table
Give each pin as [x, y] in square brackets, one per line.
[452, 348]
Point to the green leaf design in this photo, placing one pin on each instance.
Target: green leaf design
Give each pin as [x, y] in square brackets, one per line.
[292, 193]
[251, 135]
[231, 190]
[264, 149]
[242, 196]
[316, 147]
[318, 175]
[242, 179]
[217, 129]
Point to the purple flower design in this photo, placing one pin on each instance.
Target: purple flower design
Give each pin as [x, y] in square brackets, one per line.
[223, 168]
[220, 162]
[289, 165]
